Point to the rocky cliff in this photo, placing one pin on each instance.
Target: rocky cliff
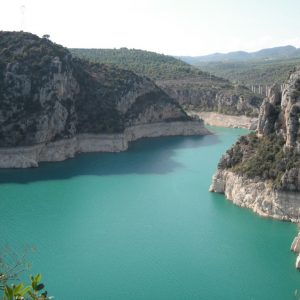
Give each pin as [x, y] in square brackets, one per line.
[50, 100]
[262, 170]
[212, 95]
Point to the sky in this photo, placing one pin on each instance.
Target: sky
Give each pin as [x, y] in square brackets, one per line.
[175, 27]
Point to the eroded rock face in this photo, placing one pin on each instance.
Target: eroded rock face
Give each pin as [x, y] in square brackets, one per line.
[262, 171]
[47, 95]
[290, 107]
[52, 105]
[257, 195]
[33, 108]
[295, 247]
[218, 96]
[268, 113]
[280, 112]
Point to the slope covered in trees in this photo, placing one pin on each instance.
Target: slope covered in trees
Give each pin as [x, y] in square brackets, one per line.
[252, 72]
[153, 65]
[263, 67]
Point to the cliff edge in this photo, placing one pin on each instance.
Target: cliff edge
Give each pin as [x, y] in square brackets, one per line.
[262, 170]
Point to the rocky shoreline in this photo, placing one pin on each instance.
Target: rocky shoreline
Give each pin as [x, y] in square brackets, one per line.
[30, 156]
[221, 120]
[257, 195]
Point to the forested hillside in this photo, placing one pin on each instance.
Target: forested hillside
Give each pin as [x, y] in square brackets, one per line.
[263, 67]
[153, 65]
[252, 72]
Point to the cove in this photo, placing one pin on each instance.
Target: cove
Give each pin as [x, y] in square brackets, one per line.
[141, 224]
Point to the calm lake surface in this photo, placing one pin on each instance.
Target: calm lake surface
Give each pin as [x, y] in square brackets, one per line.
[142, 225]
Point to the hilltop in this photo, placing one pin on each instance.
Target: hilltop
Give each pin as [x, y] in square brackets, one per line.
[145, 63]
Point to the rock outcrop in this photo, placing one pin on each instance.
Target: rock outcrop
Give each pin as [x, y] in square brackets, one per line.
[229, 121]
[212, 95]
[262, 171]
[295, 247]
[257, 195]
[53, 105]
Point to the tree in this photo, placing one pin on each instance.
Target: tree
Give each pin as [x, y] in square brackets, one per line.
[11, 265]
[19, 291]
[46, 36]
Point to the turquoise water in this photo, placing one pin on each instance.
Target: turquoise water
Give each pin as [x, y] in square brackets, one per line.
[142, 225]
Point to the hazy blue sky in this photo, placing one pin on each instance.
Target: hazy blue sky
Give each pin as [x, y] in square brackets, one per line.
[178, 27]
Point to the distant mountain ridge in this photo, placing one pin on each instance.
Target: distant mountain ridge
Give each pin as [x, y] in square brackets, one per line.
[282, 52]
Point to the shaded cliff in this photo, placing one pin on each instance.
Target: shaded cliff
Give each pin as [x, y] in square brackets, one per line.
[189, 86]
[46, 96]
[212, 94]
[262, 170]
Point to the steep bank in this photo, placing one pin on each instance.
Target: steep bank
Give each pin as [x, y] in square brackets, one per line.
[50, 100]
[30, 156]
[262, 171]
[257, 195]
[221, 120]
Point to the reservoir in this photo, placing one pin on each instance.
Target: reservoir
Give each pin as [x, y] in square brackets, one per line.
[141, 224]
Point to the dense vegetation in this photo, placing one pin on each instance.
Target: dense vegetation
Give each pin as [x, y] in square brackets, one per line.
[153, 65]
[264, 67]
[252, 72]
[25, 47]
[12, 287]
[262, 157]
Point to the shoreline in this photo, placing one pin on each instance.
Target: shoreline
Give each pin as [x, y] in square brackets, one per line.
[257, 195]
[228, 121]
[30, 156]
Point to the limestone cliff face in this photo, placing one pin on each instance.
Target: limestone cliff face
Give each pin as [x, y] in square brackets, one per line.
[262, 171]
[257, 195]
[47, 97]
[217, 95]
[37, 96]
